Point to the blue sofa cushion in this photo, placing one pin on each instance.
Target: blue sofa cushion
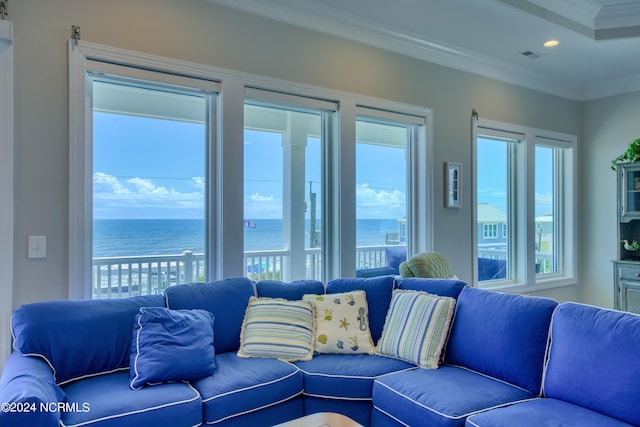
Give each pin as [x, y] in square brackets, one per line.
[376, 271]
[491, 269]
[171, 345]
[441, 397]
[79, 338]
[395, 256]
[443, 287]
[107, 401]
[28, 380]
[348, 376]
[378, 290]
[594, 360]
[290, 291]
[225, 299]
[501, 335]
[543, 412]
[241, 386]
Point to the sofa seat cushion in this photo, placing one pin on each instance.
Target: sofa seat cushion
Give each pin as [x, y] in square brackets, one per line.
[346, 376]
[240, 386]
[543, 412]
[107, 400]
[441, 397]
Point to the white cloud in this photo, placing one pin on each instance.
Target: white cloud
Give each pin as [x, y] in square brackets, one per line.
[139, 196]
[199, 182]
[260, 206]
[380, 203]
[257, 197]
[146, 186]
[103, 182]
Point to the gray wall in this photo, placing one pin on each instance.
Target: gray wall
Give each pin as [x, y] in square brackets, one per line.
[197, 31]
[609, 125]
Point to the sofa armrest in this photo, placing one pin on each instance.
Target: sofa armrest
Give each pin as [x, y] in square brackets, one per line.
[28, 393]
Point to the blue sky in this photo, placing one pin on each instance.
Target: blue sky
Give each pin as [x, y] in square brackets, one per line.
[492, 176]
[152, 168]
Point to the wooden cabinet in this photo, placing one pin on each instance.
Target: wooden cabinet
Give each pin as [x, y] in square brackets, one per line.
[626, 269]
[628, 191]
[627, 286]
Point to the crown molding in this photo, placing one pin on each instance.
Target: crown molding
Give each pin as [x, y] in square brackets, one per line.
[583, 12]
[317, 17]
[618, 16]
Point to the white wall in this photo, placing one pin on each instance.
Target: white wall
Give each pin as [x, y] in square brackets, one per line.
[609, 125]
[197, 31]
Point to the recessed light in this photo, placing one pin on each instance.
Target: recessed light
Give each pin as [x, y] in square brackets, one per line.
[551, 43]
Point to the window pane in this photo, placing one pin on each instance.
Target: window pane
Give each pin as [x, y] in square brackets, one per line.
[545, 212]
[493, 206]
[149, 149]
[282, 193]
[381, 195]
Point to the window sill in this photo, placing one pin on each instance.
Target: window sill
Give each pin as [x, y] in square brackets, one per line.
[520, 288]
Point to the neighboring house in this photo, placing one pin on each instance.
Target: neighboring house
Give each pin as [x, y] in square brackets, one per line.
[492, 227]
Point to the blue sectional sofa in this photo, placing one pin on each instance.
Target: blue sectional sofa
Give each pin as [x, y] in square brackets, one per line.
[74, 363]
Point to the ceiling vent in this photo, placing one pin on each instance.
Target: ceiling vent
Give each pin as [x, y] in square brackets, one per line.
[530, 54]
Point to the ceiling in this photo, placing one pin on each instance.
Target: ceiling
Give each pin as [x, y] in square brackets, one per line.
[598, 54]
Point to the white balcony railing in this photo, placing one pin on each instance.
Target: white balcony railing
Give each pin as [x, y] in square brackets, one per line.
[544, 261]
[119, 277]
[144, 275]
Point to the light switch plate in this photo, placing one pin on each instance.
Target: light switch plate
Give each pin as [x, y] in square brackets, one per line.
[37, 247]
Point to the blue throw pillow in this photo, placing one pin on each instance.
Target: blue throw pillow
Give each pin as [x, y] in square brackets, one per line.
[171, 345]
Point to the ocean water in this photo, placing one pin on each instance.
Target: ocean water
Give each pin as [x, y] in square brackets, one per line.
[135, 237]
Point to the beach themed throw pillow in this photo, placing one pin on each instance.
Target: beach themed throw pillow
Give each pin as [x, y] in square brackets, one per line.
[171, 345]
[277, 328]
[342, 323]
[416, 327]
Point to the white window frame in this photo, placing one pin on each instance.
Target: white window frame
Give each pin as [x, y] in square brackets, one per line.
[226, 225]
[85, 59]
[522, 216]
[490, 231]
[294, 267]
[6, 187]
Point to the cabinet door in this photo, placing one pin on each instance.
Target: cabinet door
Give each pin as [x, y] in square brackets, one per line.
[630, 296]
[629, 187]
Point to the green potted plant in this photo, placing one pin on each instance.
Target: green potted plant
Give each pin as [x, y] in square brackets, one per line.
[631, 155]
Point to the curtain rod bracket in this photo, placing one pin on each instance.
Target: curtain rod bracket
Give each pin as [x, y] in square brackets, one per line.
[3, 8]
[75, 32]
[474, 114]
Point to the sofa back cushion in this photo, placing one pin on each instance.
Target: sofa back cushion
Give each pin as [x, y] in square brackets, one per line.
[378, 292]
[290, 291]
[227, 299]
[79, 338]
[501, 335]
[594, 360]
[442, 287]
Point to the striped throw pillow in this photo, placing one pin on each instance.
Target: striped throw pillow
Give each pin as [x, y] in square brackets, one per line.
[416, 327]
[277, 328]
